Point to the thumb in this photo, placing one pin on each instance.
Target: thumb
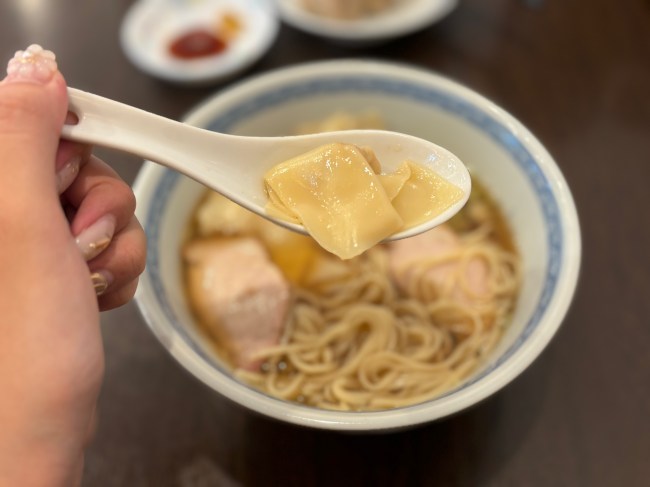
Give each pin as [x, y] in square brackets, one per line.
[33, 106]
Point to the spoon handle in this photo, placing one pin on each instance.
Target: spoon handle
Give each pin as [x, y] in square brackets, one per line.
[106, 122]
[118, 126]
[208, 157]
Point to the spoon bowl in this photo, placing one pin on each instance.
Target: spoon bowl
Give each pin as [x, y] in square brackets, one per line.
[235, 165]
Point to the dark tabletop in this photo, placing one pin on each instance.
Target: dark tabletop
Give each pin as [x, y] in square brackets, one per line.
[577, 73]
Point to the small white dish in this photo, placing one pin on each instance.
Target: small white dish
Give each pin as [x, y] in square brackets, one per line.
[405, 17]
[150, 26]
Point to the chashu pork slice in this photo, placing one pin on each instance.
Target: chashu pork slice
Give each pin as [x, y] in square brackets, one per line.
[239, 294]
[407, 255]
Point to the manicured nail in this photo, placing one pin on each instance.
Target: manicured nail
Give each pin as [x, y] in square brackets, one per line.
[68, 173]
[34, 64]
[101, 280]
[94, 239]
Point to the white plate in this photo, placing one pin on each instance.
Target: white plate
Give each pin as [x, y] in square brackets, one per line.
[151, 25]
[405, 17]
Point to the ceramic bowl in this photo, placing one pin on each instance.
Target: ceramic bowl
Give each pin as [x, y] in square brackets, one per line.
[500, 152]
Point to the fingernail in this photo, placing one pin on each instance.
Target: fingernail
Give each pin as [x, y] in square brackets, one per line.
[34, 64]
[94, 239]
[68, 173]
[101, 280]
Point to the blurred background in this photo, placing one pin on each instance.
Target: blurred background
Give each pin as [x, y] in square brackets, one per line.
[577, 74]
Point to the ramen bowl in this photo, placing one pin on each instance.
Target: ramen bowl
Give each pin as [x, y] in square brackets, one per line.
[500, 152]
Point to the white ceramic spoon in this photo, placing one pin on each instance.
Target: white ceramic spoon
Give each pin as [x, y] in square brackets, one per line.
[235, 165]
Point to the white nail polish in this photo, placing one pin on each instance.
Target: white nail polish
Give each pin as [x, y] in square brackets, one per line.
[33, 64]
[67, 174]
[94, 239]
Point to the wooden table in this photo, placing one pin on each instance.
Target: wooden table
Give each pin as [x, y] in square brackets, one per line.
[577, 73]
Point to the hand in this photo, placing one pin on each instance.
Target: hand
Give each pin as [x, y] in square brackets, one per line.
[100, 208]
[67, 235]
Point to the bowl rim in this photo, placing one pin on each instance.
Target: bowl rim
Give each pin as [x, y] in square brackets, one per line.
[447, 404]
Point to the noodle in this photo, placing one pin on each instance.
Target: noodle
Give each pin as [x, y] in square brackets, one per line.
[360, 345]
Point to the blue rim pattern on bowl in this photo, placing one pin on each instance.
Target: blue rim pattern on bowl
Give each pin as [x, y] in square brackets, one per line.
[445, 101]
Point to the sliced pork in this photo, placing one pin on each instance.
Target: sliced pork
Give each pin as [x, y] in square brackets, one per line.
[239, 294]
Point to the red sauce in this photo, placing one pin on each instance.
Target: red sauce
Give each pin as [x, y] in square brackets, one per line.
[196, 44]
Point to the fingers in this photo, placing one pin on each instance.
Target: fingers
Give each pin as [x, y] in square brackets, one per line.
[98, 204]
[104, 205]
[33, 104]
[120, 264]
[70, 157]
[108, 235]
[117, 298]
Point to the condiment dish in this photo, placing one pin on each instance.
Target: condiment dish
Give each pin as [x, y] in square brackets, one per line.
[150, 27]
